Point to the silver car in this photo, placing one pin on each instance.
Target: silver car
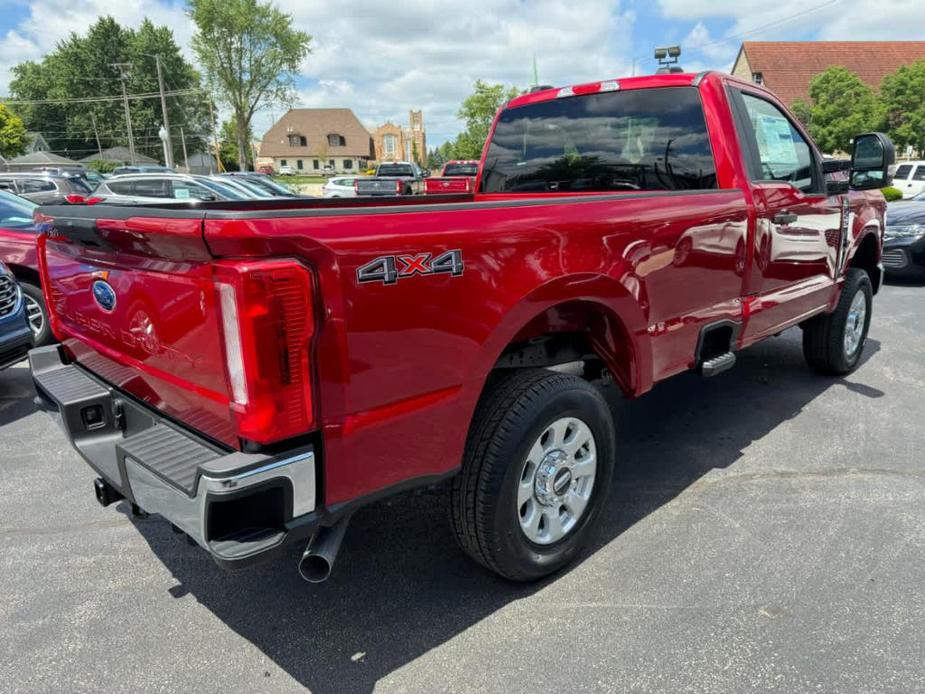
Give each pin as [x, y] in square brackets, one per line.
[142, 189]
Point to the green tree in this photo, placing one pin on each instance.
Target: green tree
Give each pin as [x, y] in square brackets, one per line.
[250, 53]
[228, 145]
[478, 110]
[841, 106]
[903, 97]
[80, 67]
[12, 133]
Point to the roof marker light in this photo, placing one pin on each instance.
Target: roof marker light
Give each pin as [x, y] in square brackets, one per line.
[610, 86]
[565, 91]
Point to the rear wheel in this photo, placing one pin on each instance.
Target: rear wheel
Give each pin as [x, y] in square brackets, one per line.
[37, 314]
[833, 343]
[536, 471]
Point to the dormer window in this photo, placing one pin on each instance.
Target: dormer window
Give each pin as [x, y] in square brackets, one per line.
[335, 140]
[757, 78]
[297, 140]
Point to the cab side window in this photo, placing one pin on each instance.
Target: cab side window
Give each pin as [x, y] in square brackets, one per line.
[783, 153]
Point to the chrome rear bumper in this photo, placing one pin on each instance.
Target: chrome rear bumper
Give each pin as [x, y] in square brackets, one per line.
[238, 506]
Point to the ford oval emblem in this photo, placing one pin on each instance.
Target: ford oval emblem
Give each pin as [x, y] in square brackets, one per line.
[104, 295]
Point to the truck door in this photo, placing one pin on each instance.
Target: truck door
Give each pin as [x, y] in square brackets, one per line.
[794, 247]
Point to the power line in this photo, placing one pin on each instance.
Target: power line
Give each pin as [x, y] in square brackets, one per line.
[98, 99]
[776, 22]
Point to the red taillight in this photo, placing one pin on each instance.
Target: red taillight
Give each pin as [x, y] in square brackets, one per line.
[75, 199]
[356, 185]
[268, 324]
[398, 187]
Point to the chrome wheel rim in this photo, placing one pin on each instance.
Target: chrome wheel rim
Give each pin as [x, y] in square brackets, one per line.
[35, 315]
[556, 481]
[854, 326]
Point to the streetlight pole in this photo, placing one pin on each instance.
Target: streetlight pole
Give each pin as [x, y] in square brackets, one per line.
[123, 69]
[168, 148]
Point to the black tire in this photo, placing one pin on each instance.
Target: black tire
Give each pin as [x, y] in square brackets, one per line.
[824, 336]
[44, 336]
[513, 413]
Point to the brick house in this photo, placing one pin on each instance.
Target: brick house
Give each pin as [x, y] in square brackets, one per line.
[396, 143]
[787, 67]
[310, 139]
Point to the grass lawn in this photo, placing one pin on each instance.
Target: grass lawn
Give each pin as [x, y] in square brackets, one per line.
[299, 180]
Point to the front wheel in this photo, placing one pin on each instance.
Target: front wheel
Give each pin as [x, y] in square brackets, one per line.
[37, 314]
[833, 343]
[536, 471]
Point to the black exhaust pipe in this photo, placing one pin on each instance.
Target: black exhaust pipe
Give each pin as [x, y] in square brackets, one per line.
[105, 493]
[318, 559]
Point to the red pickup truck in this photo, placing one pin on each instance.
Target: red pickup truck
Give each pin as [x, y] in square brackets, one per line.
[457, 176]
[255, 371]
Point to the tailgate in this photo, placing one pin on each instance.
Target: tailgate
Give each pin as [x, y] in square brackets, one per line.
[377, 186]
[447, 184]
[134, 301]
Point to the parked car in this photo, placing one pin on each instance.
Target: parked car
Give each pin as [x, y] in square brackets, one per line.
[242, 186]
[456, 177]
[45, 189]
[263, 181]
[286, 170]
[904, 238]
[909, 177]
[15, 336]
[266, 169]
[346, 351]
[138, 189]
[141, 168]
[18, 252]
[339, 187]
[392, 178]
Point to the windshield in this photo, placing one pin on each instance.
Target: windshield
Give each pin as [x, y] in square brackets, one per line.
[226, 192]
[644, 139]
[15, 212]
[270, 186]
[395, 170]
[461, 170]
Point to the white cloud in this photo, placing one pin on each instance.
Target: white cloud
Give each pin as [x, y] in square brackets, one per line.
[51, 21]
[14, 48]
[382, 61]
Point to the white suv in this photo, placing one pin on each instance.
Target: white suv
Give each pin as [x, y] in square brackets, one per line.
[909, 177]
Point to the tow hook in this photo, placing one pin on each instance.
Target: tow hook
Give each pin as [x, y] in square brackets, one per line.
[105, 493]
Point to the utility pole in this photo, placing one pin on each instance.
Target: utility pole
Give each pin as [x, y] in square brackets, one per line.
[168, 150]
[123, 69]
[185, 155]
[96, 132]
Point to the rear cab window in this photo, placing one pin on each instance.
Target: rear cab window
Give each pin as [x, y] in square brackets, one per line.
[919, 174]
[645, 139]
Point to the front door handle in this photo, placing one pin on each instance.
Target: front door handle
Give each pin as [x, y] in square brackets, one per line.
[785, 218]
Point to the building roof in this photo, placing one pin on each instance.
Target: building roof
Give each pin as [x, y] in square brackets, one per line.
[315, 124]
[41, 158]
[119, 155]
[787, 67]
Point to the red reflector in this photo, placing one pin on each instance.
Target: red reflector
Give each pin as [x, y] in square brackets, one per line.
[268, 324]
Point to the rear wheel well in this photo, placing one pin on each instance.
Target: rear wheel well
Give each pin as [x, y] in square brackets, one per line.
[23, 273]
[867, 258]
[575, 331]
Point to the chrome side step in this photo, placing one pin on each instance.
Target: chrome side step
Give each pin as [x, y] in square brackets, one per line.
[716, 365]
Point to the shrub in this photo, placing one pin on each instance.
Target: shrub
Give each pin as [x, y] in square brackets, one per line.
[891, 193]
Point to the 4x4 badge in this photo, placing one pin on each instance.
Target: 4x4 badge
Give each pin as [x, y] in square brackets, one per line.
[388, 269]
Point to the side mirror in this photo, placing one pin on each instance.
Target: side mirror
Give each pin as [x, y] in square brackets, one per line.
[871, 158]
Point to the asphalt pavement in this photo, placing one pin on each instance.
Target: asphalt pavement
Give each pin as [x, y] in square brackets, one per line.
[766, 533]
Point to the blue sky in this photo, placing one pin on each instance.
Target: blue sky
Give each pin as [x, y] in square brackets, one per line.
[382, 59]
